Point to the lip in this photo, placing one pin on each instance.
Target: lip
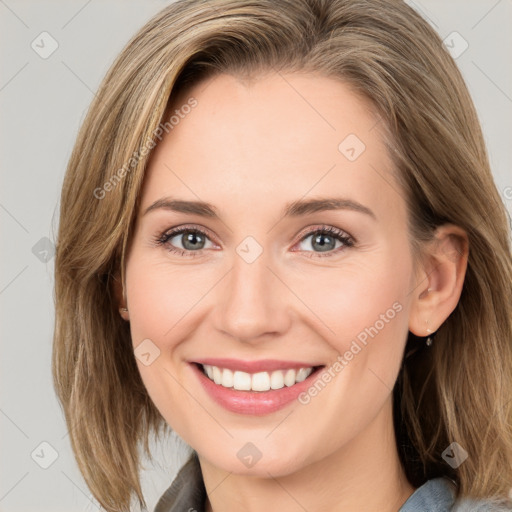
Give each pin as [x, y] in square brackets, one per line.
[255, 366]
[255, 403]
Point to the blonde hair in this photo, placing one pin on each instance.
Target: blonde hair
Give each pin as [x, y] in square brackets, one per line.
[459, 390]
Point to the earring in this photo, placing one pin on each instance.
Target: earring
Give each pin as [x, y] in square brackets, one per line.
[123, 310]
[428, 342]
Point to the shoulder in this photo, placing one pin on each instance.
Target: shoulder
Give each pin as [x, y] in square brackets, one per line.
[435, 495]
[468, 505]
[438, 495]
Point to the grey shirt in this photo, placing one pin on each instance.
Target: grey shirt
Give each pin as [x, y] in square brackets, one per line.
[188, 494]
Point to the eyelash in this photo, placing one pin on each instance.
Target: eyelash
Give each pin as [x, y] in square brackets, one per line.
[347, 241]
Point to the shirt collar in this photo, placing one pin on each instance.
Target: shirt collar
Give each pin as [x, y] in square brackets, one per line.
[187, 493]
[435, 495]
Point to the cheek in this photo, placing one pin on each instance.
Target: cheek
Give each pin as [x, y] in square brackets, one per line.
[160, 296]
[359, 295]
[365, 307]
[160, 302]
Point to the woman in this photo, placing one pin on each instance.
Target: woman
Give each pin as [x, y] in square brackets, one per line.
[280, 238]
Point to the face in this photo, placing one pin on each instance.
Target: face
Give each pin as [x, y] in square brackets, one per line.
[268, 279]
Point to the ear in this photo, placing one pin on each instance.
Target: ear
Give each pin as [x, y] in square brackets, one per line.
[439, 280]
[120, 297]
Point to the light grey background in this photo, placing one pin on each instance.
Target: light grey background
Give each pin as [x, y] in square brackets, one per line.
[42, 103]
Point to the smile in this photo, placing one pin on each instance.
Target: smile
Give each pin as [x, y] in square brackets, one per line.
[254, 387]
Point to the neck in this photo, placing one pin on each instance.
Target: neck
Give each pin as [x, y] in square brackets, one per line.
[364, 474]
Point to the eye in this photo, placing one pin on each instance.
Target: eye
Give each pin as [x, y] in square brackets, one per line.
[324, 240]
[192, 240]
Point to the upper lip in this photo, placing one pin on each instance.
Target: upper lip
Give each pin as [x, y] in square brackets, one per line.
[254, 366]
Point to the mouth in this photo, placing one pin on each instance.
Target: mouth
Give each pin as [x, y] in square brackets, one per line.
[261, 381]
[257, 387]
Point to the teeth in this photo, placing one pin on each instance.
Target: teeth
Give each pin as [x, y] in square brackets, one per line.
[261, 381]
[241, 381]
[227, 378]
[289, 378]
[209, 371]
[277, 380]
[302, 374]
[217, 375]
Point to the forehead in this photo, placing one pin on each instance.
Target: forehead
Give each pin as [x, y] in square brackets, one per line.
[271, 140]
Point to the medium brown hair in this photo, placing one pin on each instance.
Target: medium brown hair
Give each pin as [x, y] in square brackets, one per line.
[459, 390]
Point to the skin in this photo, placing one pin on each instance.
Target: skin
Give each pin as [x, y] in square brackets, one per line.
[249, 148]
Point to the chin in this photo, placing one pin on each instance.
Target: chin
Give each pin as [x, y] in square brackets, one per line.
[251, 461]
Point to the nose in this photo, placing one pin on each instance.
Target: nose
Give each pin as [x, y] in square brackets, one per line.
[252, 303]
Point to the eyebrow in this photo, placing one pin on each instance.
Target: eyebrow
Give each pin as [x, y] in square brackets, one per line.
[297, 208]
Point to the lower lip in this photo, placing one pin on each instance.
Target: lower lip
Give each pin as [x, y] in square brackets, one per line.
[256, 403]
